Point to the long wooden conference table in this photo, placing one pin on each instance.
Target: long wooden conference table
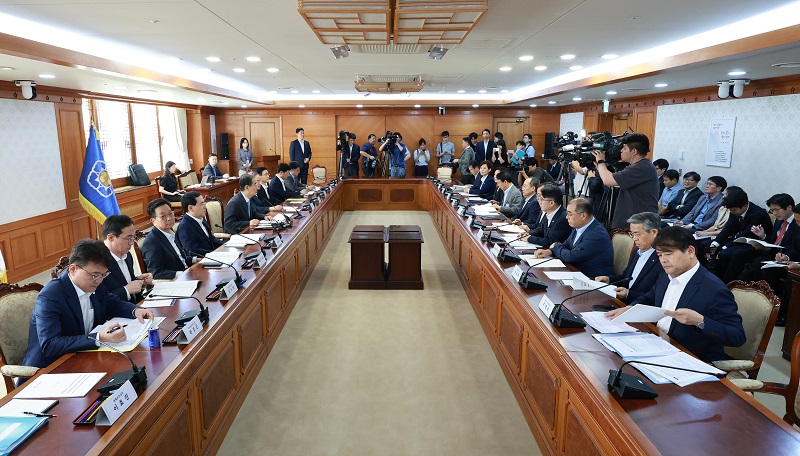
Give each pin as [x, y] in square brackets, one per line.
[558, 376]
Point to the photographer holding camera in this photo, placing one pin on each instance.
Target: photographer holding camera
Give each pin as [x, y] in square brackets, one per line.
[638, 183]
[370, 155]
[398, 154]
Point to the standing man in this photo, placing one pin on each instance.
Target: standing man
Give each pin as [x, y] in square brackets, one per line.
[119, 234]
[369, 156]
[512, 197]
[661, 166]
[194, 233]
[465, 161]
[211, 169]
[638, 183]
[484, 148]
[300, 152]
[397, 157]
[351, 153]
[446, 151]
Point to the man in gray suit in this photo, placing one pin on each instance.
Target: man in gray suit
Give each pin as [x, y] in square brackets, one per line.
[704, 212]
[512, 197]
[293, 182]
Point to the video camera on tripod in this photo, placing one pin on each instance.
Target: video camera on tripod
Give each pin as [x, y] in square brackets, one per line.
[390, 139]
[571, 149]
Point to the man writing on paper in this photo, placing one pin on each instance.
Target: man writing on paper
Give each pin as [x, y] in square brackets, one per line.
[700, 312]
[69, 307]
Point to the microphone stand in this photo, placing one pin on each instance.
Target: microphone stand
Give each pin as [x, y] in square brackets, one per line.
[239, 280]
[563, 318]
[202, 314]
[629, 386]
[504, 255]
[136, 374]
[531, 282]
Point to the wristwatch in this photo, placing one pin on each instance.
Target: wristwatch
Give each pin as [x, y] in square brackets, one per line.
[701, 325]
[600, 161]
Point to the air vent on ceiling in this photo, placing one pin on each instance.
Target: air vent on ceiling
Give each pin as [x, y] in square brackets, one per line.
[390, 49]
[389, 83]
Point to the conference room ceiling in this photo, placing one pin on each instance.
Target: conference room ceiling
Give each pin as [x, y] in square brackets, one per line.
[178, 35]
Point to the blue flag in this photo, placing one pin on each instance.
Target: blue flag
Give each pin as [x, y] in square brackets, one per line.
[96, 192]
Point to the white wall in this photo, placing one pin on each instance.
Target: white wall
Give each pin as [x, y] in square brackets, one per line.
[31, 182]
[572, 121]
[766, 144]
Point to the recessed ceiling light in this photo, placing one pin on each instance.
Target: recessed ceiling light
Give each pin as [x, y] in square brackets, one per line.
[243, 106]
[577, 98]
[482, 91]
[504, 91]
[661, 84]
[611, 92]
[505, 68]
[147, 91]
[567, 56]
[526, 58]
[475, 106]
[154, 21]
[213, 59]
[461, 91]
[609, 56]
[272, 70]
[294, 91]
[359, 106]
[253, 59]
[534, 105]
[315, 91]
[47, 76]
[239, 70]
[6, 68]
[301, 106]
[737, 73]
[540, 68]
[551, 102]
[575, 67]
[417, 106]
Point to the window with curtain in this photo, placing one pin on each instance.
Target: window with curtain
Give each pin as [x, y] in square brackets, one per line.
[115, 136]
[171, 141]
[146, 137]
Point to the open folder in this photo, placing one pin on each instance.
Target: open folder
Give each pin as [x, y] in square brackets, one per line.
[641, 313]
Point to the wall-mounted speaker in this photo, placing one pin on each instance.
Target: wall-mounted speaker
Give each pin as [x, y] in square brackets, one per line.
[223, 146]
[549, 143]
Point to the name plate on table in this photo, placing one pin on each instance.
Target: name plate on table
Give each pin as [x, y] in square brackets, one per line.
[116, 404]
[469, 220]
[481, 234]
[260, 262]
[190, 330]
[228, 290]
[277, 242]
[454, 202]
[580, 284]
[495, 250]
[517, 272]
[462, 210]
[546, 306]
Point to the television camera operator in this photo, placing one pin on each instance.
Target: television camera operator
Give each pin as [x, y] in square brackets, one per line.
[398, 154]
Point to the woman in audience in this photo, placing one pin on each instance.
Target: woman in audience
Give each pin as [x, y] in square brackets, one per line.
[168, 183]
[244, 156]
[500, 154]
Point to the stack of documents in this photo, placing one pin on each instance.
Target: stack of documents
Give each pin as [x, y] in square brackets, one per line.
[524, 245]
[774, 264]
[603, 325]
[135, 332]
[60, 385]
[241, 240]
[219, 259]
[540, 262]
[484, 209]
[176, 289]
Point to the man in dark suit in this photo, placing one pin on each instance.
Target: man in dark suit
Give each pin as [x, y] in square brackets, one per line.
[277, 186]
[68, 308]
[161, 252]
[744, 218]
[300, 152]
[790, 255]
[350, 154]
[240, 212]
[484, 148]
[685, 200]
[263, 190]
[699, 310]
[119, 234]
[552, 225]
[293, 183]
[211, 169]
[662, 166]
[588, 247]
[531, 211]
[643, 266]
[194, 233]
[783, 233]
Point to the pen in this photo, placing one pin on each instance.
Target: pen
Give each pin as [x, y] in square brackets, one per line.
[116, 328]
[40, 415]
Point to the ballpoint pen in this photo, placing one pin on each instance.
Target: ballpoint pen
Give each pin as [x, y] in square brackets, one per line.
[40, 415]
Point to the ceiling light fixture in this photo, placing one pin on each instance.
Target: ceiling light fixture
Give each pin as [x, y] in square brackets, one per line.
[575, 67]
[475, 105]
[737, 73]
[611, 92]
[301, 106]
[504, 91]
[505, 68]
[7, 68]
[315, 91]
[567, 56]
[577, 99]
[213, 59]
[534, 105]
[272, 70]
[239, 70]
[294, 91]
[253, 59]
[461, 91]
[437, 52]
[661, 84]
[482, 91]
[341, 52]
[359, 106]
[540, 68]
[417, 106]
[525, 58]
[47, 76]
[609, 56]
[551, 102]
[243, 106]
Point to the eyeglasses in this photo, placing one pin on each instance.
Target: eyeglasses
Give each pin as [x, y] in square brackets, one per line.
[171, 215]
[129, 239]
[96, 275]
[635, 235]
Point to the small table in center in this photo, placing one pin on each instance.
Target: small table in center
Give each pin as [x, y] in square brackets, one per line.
[367, 267]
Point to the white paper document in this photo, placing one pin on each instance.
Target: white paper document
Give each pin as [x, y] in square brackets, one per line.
[563, 275]
[157, 302]
[636, 345]
[774, 264]
[218, 259]
[579, 283]
[60, 385]
[542, 262]
[511, 229]
[660, 375]
[641, 313]
[524, 245]
[181, 289]
[603, 325]
[135, 332]
[16, 407]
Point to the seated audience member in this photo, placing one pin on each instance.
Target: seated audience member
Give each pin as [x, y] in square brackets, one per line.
[119, 234]
[705, 213]
[511, 203]
[211, 169]
[669, 182]
[588, 247]
[168, 183]
[484, 185]
[553, 167]
[498, 192]
[685, 200]
[194, 232]
[643, 266]
[240, 212]
[552, 225]
[293, 183]
[699, 310]
[278, 190]
[774, 276]
[744, 217]
[162, 254]
[530, 212]
[661, 166]
[68, 308]
[783, 233]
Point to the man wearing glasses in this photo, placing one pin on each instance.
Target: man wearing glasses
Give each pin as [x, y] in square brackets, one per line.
[552, 226]
[68, 308]
[119, 234]
[161, 253]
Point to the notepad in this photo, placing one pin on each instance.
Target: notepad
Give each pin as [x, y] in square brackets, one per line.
[15, 430]
[15, 407]
[60, 385]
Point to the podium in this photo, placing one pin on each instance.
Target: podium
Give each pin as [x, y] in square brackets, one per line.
[367, 266]
[405, 258]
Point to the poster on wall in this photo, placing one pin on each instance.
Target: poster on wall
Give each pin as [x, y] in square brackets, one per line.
[720, 142]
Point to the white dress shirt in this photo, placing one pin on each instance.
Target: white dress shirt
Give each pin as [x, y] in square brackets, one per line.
[200, 221]
[171, 238]
[123, 266]
[673, 295]
[643, 257]
[87, 310]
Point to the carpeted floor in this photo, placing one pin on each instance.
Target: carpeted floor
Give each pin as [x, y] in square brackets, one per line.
[381, 372]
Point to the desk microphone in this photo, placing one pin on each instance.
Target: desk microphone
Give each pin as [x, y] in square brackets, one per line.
[261, 245]
[202, 314]
[628, 386]
[563, 318]
[136, 375]
[239, 280]
[487, 234]
[529, 281]
[505, 255]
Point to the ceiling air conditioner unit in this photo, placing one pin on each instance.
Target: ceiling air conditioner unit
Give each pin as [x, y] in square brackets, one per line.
[389, 83]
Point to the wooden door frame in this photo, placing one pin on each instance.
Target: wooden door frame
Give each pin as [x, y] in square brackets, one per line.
[278, 132]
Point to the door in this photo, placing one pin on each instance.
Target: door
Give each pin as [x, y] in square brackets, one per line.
[263, 133]
[511, 129]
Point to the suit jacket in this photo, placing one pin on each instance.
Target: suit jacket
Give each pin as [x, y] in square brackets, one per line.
[194, 240]
[708, 218]
[159, 256]
[788, 241]
[293, 184]
[353, 153]
[554, 170]
[264, 197]
[741, 226]
[557, 230]
[592, 254]
[513, 202]
[115, 282]
[237, 217]
[688, 203]
[707, 295]
[651, 271]
[485, 190]
[56, 325]
[212, 171]
[530, 212]
[296, 154]
[278, 193]
[482, 153]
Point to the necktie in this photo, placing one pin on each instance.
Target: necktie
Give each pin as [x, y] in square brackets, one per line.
[783, 231]
[248, 209]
